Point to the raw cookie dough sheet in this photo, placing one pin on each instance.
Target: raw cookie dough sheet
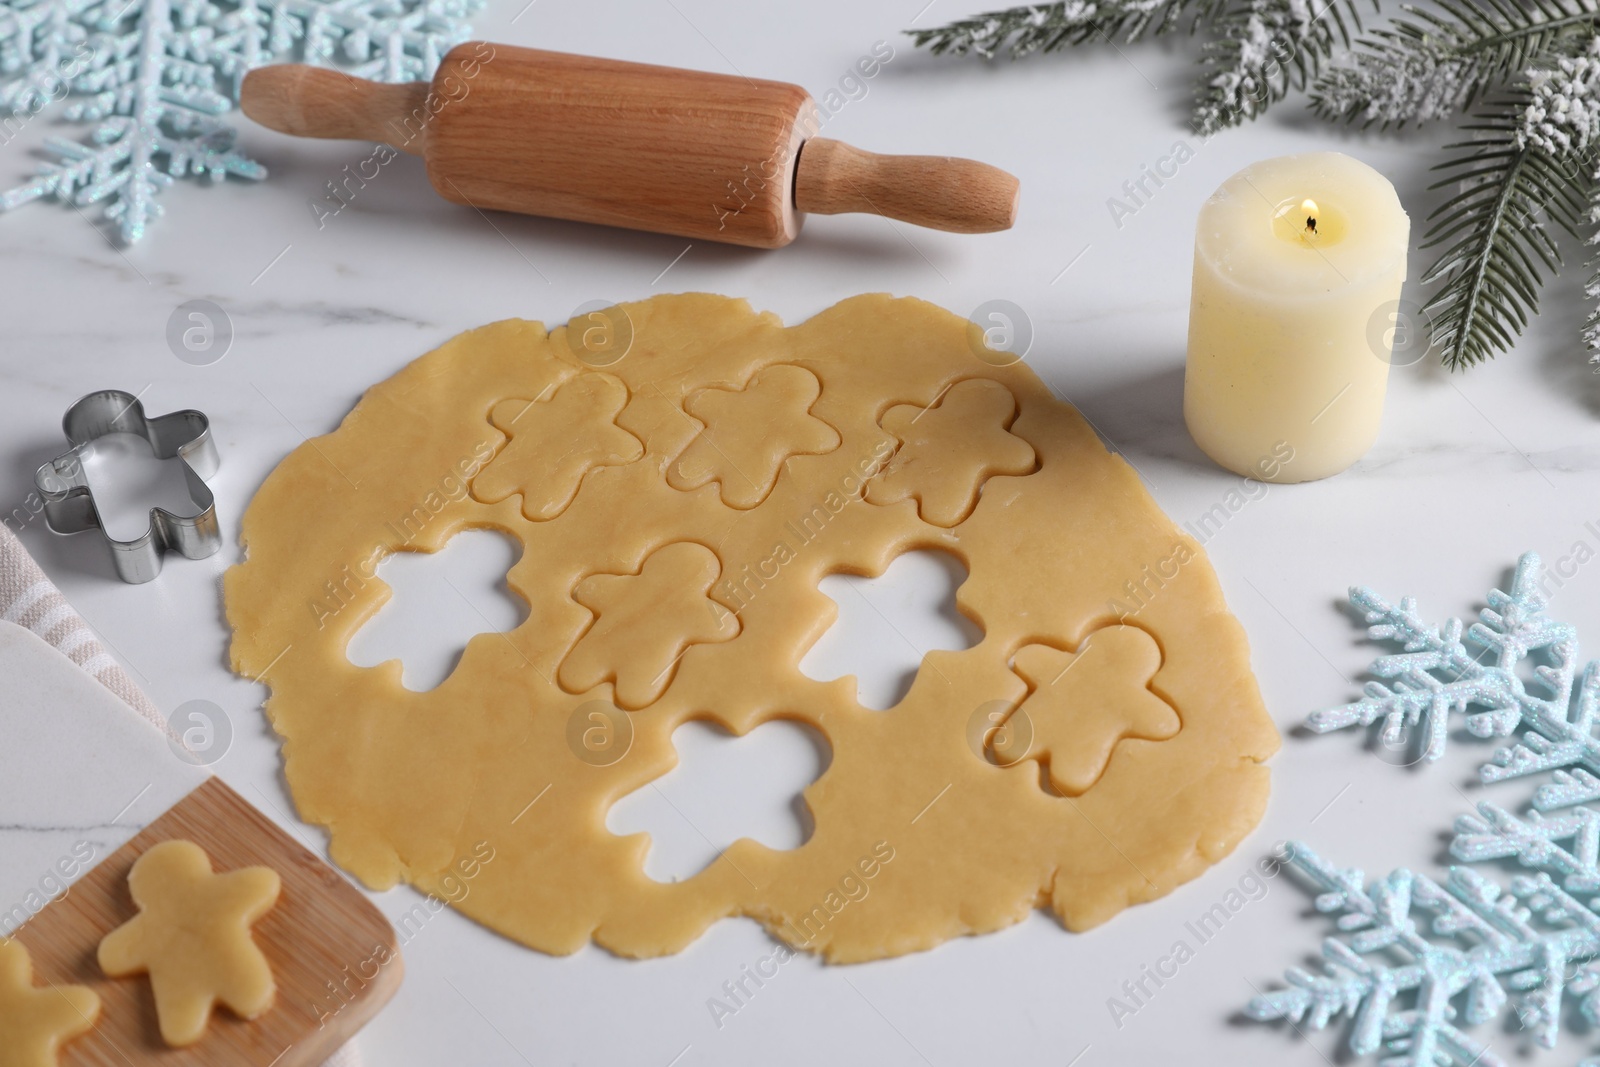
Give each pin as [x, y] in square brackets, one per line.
[676, 509]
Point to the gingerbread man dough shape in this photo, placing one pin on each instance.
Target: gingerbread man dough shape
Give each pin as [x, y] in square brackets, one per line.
[192, 937]
[35, 1022]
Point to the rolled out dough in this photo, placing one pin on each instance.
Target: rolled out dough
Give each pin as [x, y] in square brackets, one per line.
[677, 509]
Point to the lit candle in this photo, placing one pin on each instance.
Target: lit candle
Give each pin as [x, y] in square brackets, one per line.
[1298, 263]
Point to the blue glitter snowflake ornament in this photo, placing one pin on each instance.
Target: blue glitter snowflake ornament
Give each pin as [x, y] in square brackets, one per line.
[1421, 960]
[153, 76]
[1437, 673]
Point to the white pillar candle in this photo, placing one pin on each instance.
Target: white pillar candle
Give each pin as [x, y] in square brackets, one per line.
[1298, 263]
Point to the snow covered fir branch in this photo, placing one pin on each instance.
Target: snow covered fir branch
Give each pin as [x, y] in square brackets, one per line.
[1419, 961]
[1521, 78]
[153, 79]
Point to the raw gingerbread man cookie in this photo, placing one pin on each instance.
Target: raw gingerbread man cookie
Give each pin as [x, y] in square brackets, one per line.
[36, 1021]
[949, 448]
[192, 936]
[645, 623]
[751, 433]
[1081, 704]
[555, 443]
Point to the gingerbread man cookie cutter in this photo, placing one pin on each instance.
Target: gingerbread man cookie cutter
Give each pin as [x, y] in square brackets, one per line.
[69, 505]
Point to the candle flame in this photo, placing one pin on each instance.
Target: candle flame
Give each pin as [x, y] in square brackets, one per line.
[1308, 208]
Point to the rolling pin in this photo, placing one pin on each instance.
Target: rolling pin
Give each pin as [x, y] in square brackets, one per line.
[704, 156]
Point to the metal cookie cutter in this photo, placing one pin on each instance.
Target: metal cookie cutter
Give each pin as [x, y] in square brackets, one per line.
[69, 503]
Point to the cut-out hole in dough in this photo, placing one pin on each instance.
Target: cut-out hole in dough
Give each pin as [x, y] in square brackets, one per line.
[441, 600]
[724, 788]
[128, 480]
[886, 625]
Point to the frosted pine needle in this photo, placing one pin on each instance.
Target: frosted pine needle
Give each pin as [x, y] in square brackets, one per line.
[1519, 75]
[1564, 115]
[1022, 31]
[1264, 48]
[1591, 327]
[1411, 87]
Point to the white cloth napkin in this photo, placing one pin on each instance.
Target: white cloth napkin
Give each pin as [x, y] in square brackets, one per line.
[29, 599]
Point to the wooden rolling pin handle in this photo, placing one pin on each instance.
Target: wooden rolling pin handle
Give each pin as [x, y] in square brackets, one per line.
[940, 192]
[318, 102]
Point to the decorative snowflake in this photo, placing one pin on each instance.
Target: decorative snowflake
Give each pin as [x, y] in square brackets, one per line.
[1422, 959]
[1416, 949]
[154, 75]
[1437, 675]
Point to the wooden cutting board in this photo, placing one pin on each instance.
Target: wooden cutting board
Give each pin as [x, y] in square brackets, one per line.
[82, 775]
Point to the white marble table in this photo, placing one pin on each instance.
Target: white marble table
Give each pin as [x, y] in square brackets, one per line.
[1471, 470]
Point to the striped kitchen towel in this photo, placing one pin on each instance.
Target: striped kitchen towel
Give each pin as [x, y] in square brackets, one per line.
[30, 599]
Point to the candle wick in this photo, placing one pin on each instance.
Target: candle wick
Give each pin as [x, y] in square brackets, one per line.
[1311, 225]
